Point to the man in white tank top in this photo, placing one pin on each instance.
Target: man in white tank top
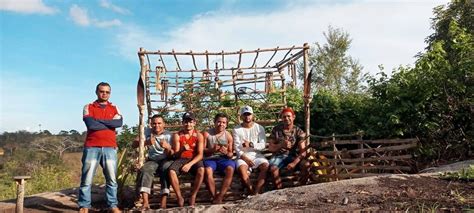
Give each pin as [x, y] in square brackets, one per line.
[249, 141]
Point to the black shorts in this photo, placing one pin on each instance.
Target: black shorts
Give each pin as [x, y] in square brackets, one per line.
[177, 164]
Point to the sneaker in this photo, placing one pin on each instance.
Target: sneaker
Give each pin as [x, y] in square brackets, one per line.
[165, 191]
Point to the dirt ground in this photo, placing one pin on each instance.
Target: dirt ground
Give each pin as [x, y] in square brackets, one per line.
[415, 193]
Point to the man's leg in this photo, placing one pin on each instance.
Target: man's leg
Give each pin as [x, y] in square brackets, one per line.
[305, 167]
[199, 172]
[109, 168]
[275, 172]
[146, 180]
[228, 174]
[164, 181]
[244, 176]
[173, 177]
[210, 166]
[263, 165]
[90, 160]
[275, 165]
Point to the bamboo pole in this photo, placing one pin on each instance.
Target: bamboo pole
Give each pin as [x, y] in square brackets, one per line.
[255, 59]
[141, 109]
[163, 62]
[223, 65]
[307, 91]
[177, 61]
[382, 141]
[274, 53]
[289, 51]
[20, 192]
[284, 61]
[226, 53]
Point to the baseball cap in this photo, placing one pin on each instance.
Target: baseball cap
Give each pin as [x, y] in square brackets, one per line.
[188, 116]
[246, 109]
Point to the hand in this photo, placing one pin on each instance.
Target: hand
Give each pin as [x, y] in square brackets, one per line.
[223, 150]
[187, 147]
[247, 160]
[165, 144]
[291, 166]
[230, 154]
[287, 144]
[186, 168]
[246, 143]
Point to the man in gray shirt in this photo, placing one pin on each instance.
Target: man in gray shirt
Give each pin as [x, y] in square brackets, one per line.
[159, 148]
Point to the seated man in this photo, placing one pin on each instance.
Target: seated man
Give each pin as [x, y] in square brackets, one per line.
[219, 151]
[188, 144]
[159, 150]
[249, 141]
[287, 143]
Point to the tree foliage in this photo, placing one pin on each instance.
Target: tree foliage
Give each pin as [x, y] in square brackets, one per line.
[333, 69]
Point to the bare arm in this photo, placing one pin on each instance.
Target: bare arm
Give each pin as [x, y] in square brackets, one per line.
[175, 142]
[208, 150]
[230, 145]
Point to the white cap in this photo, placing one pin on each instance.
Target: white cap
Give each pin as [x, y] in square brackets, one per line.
[246, 109]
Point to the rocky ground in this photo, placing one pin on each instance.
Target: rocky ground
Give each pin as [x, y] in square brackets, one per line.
[417, 192]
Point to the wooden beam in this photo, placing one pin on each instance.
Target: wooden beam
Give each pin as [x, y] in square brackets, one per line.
[225, 53]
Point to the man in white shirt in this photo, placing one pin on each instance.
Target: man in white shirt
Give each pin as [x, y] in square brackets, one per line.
[249, 141]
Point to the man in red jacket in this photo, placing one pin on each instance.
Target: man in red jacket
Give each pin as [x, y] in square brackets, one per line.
[100, 148]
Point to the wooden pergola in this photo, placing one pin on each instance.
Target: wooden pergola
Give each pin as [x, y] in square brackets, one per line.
[208, 82]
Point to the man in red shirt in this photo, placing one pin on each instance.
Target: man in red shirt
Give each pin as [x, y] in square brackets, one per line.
[100, 148]
[188, 146]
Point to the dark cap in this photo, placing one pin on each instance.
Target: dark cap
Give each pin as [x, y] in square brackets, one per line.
[188, 116]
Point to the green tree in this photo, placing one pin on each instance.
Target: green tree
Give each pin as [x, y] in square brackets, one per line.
[434, 99]
[333, 69]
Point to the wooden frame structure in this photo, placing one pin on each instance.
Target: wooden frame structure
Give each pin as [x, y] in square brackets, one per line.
[207, 82]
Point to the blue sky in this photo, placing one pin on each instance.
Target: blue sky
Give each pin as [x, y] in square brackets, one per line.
[53, 53]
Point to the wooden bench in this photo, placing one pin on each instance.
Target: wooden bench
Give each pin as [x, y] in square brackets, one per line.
[236, 191]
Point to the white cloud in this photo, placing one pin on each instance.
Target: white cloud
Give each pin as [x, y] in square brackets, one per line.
[105, 24]
[27, 7]
[108, 5]
[81, 17]
[388, 33]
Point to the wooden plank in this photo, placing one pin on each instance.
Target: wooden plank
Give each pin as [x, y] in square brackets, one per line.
[220, 53]
[405, 168]
[369, 159]
[384, 141]
[373, 150]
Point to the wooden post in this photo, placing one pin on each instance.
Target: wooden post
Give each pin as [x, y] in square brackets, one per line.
[20, 191]
[334, 148]
[361, 146]
[141, 109]
[307, 91]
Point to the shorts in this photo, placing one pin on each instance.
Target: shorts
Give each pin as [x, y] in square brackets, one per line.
[258, 160]
[219, 164]
[281, 161]
[179, 163]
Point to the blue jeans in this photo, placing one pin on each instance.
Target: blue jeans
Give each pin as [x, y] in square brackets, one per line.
[91, 158]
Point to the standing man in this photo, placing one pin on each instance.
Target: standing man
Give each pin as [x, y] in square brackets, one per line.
[219, 152]
[159, 151]
[288, 143]
[101, 118]
[249, 141]
[188, 144]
